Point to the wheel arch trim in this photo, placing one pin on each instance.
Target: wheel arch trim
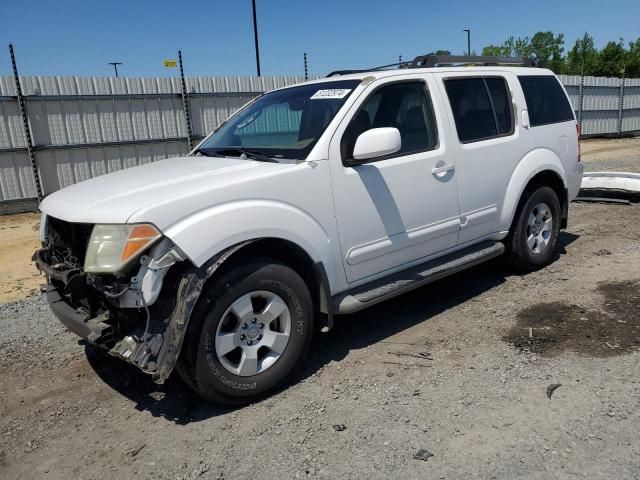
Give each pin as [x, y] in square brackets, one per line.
[188, 294]
[534, 163]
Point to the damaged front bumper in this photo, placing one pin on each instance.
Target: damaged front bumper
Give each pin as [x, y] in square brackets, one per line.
[141, 319]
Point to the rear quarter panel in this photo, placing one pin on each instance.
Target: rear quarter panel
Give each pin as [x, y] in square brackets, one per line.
[554, 147]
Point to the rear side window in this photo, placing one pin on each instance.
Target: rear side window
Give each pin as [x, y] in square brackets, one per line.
[481, 107]
[546, 100]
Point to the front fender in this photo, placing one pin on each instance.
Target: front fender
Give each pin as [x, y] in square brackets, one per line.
[204, 234]
[534, 162]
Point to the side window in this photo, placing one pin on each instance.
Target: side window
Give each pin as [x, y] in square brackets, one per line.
[405, 106]
[546, 100]
[501, 104]
[481, 107]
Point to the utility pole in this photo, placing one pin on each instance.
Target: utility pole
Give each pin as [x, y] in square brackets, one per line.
[115, 66]
[468, 40]
[255, 37]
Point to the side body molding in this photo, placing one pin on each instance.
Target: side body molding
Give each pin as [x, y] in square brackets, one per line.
[532, 163]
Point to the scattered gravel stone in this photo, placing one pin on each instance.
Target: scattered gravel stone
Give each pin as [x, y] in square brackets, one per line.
[551, 388]
[423, 455]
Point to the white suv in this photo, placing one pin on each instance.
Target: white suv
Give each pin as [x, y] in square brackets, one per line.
[318, 199]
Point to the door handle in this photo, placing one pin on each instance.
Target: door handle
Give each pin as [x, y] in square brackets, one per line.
[525, 119]
[442, 169]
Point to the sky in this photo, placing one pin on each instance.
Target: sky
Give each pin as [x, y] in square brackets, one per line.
[73, 37]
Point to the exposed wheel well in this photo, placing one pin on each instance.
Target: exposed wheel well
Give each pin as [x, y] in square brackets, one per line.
[551, 179]
[289, 254]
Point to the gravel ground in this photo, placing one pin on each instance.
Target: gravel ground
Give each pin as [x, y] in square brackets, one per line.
[450, 381]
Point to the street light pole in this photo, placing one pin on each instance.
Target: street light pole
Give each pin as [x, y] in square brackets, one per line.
[255, 37]
[468, 40]
[115, 66]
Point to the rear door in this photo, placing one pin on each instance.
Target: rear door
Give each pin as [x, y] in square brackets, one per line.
[488, 144]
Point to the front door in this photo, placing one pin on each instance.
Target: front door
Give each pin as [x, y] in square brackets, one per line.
[398, 209]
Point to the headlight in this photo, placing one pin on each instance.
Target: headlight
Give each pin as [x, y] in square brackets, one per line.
[113, 246]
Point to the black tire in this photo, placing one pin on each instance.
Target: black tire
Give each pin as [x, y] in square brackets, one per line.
[199, 365]
[519, 253]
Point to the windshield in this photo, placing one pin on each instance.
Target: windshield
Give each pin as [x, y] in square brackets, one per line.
[282, 124]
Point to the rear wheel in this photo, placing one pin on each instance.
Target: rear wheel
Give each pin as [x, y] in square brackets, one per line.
[532, 241]
[249, 333]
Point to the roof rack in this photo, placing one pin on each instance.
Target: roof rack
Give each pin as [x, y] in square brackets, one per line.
[364, 70]
[430, 61]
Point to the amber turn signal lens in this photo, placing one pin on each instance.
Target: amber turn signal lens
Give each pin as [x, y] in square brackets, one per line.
[139, 238]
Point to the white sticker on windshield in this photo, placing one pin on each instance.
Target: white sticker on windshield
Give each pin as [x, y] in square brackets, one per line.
[330, 93]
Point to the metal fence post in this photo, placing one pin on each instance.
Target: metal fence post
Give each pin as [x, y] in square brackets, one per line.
[621, 105]
[25, 124]
[185, 103]
[580, 102]
[306, 72]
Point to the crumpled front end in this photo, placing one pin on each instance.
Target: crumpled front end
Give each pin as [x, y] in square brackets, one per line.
[138, 314]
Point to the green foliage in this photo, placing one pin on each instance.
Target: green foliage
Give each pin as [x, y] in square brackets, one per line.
[583, 59]
[547, 49]
[440, 52]
[612, 60]
[512, 47]
[492, 51]
[632, 61]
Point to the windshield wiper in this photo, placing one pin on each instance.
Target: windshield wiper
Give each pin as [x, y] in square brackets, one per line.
[205, 152]
[252, 154]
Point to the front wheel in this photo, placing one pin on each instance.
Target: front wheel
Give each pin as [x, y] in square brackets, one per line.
[249, 333]
[531, 243]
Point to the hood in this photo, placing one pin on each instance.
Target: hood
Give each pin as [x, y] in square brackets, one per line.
[115, 197]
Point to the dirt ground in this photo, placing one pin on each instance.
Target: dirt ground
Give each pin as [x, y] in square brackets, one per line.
[619, 155]
[454, 380]
[18, 240]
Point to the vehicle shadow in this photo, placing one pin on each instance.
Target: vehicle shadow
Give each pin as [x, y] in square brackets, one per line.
[389, 318]
[176, 402]
[173, 400]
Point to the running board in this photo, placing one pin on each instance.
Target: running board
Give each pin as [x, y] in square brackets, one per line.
[398, 283]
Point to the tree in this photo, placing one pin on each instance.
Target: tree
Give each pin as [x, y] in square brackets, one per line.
[522, 47]
[546, 49]
[583, 59]
[492, 51]
[512, 47]
[632, 59]
[611, 61]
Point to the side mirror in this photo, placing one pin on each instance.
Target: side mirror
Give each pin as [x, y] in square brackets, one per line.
[377, 142]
